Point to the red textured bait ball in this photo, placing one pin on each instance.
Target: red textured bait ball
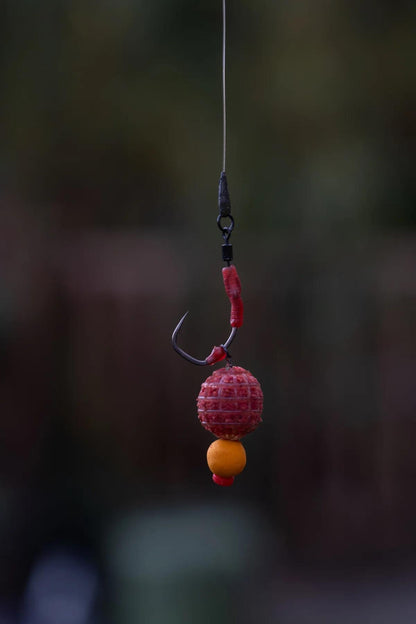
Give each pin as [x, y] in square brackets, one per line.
[230, 403]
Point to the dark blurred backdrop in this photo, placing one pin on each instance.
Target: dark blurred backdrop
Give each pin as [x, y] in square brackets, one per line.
[110, 125]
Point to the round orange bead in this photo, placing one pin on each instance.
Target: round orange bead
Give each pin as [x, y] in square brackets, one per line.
[226, 458]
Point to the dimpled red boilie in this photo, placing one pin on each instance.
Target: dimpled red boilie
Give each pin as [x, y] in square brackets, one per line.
[230, 403]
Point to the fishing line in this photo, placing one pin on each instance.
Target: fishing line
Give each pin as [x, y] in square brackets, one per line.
[224, 98]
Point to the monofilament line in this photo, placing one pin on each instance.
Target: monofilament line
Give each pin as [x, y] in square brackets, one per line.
[224, 103]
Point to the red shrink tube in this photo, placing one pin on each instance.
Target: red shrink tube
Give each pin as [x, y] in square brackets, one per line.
[233, 289]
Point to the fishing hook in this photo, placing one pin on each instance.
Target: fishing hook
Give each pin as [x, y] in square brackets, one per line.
[233, 291]
[217, 354]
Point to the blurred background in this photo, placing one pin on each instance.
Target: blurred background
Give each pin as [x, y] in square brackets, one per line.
[110, 153]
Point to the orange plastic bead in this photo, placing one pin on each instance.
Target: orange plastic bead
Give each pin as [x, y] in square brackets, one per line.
[226, 458]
